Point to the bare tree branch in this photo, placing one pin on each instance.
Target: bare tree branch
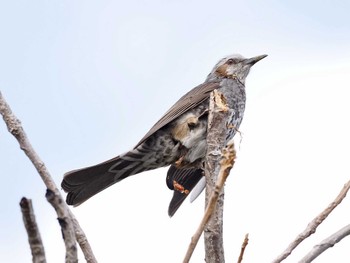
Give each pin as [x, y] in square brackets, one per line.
[244, 245]
[218, 117]
[312, 226]
[225, 161]
[34, 238]
[15, 128]
[65, 221]
[82, 240]
[325, 244]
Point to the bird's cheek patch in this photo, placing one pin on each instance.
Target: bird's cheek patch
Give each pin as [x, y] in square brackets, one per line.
[222, 70]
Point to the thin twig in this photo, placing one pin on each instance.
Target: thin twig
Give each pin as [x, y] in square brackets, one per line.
[34, 238]
[325, 244]
[244, 245]
[82, 240]
[227, 163]
[15, 128]
[312, 226]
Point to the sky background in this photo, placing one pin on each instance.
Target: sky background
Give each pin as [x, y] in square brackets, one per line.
[89, 78]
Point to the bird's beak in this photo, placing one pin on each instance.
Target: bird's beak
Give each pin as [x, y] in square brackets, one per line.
[253, 60]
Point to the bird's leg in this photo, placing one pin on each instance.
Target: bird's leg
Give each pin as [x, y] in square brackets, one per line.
[179, 161]
[183, 151]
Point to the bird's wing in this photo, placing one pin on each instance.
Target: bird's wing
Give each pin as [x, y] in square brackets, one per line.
[189, 101]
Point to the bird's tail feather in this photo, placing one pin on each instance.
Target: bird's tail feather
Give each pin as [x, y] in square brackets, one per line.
[84, 183]
[182, 181]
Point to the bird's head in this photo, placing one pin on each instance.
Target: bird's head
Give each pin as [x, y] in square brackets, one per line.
[234, 66]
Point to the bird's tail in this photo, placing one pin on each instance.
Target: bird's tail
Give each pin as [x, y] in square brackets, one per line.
[182, 181]
[84, 183]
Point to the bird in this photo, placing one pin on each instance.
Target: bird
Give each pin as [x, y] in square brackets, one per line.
[177, 140]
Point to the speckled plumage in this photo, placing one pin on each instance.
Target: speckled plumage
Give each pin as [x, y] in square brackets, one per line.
[177, 139]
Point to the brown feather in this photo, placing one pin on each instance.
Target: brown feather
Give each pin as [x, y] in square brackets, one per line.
[189, 101]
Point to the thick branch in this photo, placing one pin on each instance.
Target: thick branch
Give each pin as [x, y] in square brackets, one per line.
[34, 238]
[312, 226]
[15, 128]
[325, 244]
[229, 155]
[225, 161]
[219, 116]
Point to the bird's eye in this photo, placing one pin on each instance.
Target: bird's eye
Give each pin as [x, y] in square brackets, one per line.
[230, 61]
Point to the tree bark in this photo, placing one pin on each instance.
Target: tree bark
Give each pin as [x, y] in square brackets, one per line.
[226, 162]
[219, 113]
[34, 238]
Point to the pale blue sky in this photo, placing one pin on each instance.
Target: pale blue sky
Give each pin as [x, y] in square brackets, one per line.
[89, 78]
